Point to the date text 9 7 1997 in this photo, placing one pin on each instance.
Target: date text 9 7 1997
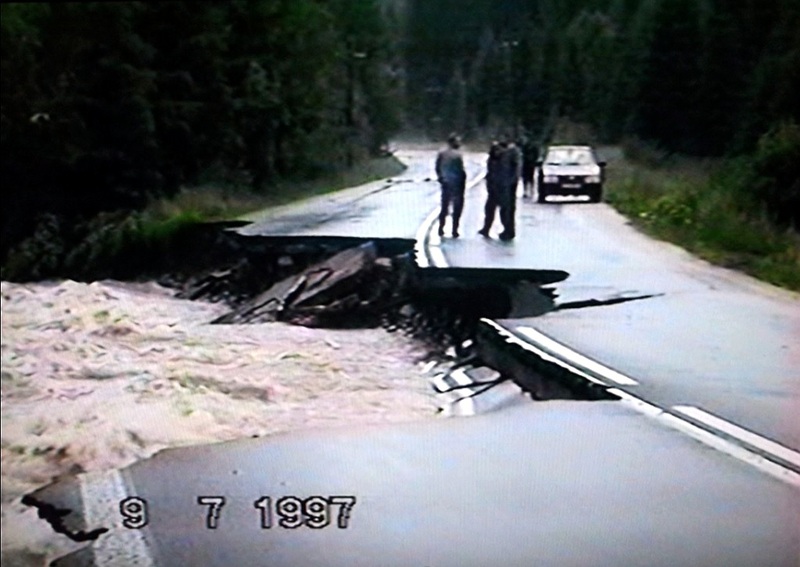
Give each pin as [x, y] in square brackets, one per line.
[288, 512]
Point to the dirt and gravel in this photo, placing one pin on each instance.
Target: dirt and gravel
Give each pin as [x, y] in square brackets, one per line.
[97, 376]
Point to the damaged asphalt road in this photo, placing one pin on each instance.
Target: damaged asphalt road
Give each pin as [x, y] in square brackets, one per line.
[556, 483]
[620, 327]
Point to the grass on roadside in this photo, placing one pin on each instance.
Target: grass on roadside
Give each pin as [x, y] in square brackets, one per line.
[125, 244]
[705, 208]
[218, 201]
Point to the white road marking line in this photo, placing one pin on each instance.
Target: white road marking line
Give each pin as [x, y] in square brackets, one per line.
[425, 241]
[765, 465]
[437, 257]
[454, 405]
[513, 339]
[466, 405]
[461, 377]
[428, 242]
[101, 494]
[439, 383]
[577, 358]
[421, 243]
[653, 411]
[742, 434]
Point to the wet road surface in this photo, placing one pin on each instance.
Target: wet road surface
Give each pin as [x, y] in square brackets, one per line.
[629, 482]
[393, 208]
[702, 336]
[551, 483]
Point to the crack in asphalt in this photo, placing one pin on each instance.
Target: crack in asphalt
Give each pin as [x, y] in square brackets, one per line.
[602, 302]
[55, 517]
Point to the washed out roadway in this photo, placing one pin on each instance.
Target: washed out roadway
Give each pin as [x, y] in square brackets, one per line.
[547, 483]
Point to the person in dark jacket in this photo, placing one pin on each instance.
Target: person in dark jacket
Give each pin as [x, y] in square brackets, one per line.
[509, 168]
[453, 179]
[492, 188]
[530, 154]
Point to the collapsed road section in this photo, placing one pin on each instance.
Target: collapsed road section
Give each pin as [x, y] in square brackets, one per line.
[351, 283]
[545, 452]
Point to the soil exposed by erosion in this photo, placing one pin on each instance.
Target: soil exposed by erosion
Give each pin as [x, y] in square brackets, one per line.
[98, 376]
[365, 284]
[352, 283]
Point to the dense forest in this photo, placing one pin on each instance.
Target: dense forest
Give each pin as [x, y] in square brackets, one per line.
[106, 105]
[703, 77]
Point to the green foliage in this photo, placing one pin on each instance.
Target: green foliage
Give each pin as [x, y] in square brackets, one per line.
[109, 245]
[40, 255]
[675, 208]
[776, 172]
[709, 209]
[106, 105]
[164, 236]
[701, 77]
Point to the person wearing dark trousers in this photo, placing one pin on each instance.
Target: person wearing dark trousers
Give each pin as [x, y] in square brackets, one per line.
[530, 153]
[453, 178]
[492, 188]
[508, 175]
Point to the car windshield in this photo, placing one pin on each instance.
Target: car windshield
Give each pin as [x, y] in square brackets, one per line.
[569, 156]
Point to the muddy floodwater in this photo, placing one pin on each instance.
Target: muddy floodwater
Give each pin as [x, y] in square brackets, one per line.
[97, 376]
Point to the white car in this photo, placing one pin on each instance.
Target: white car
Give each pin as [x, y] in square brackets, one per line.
[570, 170]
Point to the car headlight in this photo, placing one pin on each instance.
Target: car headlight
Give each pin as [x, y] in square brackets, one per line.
[592, 179]
[550, 178]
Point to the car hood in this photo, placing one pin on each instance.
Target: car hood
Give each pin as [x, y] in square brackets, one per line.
[589, 169]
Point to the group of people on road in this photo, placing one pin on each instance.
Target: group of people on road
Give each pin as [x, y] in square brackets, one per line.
[506, 165]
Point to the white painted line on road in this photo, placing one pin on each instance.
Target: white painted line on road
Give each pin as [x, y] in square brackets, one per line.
[466, 406]
[101, 494]
[576, 358]
[763, 464]
[742, 434]
[653, 411]
[437, 257]
[513, 339]
[455, 405]
[461, 377]
[439, 383]
[427, 242]
[421, 239]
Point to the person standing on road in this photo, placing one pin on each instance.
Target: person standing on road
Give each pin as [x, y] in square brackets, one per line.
[453, 179]
[530, 154]
[492, 188]
[509, 169]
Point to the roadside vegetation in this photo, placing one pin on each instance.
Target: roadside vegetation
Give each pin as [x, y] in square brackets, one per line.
[108, 107]
[738, 212]
[131, 244]
[228, 199]
[111, 109]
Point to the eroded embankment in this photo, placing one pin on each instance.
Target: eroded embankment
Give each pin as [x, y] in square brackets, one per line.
[351, 283]
[204, 383]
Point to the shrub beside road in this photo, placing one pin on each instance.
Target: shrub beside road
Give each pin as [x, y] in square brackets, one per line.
[739, 213]
[124, 244]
